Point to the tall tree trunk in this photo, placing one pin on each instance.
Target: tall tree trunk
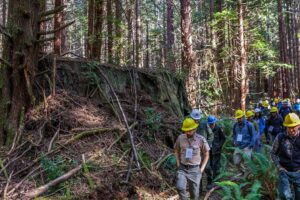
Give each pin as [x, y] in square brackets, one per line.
[98, 26]
[58, 20]
[109, 31]
[170, 36]
[283, 80]
[189, 64]
[129, 16]
[4, 13]
[21, 52]
[147, 59]
[137, 34]
[119, 40]
[91, 14]
[243, 57]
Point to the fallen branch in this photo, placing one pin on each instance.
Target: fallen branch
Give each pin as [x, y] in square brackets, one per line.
[37, 192]
[52, 140]
[55, 30]
[6, 187]
[24, 179]
[90, 133]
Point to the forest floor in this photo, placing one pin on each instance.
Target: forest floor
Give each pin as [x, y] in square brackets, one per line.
[65, 128]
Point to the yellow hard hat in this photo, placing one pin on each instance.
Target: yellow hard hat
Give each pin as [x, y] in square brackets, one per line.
[291, 120]
[189, 124]
[265, 104]
[250, 113]
[274, 109]
[276, 100]
[239, 114]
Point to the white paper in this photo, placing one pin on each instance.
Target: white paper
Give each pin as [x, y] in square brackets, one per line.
[189, 153]
[270, 129]
[239, 137]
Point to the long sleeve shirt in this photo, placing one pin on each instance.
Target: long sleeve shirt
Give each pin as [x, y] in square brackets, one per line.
[244, 134]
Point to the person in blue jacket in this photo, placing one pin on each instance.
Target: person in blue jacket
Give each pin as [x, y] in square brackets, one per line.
[261, 121]
[285, 109]
[243, 137]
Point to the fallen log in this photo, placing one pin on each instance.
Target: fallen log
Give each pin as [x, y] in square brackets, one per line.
[40, 190]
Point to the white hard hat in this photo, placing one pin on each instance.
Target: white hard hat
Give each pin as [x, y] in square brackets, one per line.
[196, 114]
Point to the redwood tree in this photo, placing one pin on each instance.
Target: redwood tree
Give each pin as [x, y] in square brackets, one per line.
[243, 57]
[20, 59]
[170, 36]
[188, 56]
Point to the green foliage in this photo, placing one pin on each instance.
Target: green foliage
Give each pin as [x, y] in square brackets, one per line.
[153, 120]
[53, 167]
[209, 89]
[145, 158]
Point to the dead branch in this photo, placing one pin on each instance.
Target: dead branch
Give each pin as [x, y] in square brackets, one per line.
[52, 140]
[15, 159]
[51, 12]
[121, 136]
[4, 32]
[24, 179]
[6, 187]
[45, 19]
[45, 40]
[37, 192]
[90, 133]
[5, 62]
[40, 131]
[124, 118]
[55, 30]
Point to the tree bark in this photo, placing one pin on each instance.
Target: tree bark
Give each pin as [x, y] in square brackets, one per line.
[243, 57]
[119, 39]
[22, 54]
[170, 36]
[109, 31]
[188, 56]
[91, 13]
[58, 21]
[98, 26]
[137, 34]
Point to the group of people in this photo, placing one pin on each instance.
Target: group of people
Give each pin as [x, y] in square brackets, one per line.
[273, 122]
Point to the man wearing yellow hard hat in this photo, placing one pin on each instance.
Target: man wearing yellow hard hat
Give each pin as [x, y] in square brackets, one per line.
[243, 137]
[273, 125]
[286, 156]
[189, 148]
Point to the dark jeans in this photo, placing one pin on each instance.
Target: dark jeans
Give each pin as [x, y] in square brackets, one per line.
[212, 169]
[287, 180]
[191, 177]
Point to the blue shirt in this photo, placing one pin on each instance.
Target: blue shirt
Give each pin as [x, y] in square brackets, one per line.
[261, 124]
[244, 134]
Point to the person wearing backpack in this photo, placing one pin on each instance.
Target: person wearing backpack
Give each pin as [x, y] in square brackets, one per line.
[285, 155]
[273, 125]
[243, 137]
[215, 137]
